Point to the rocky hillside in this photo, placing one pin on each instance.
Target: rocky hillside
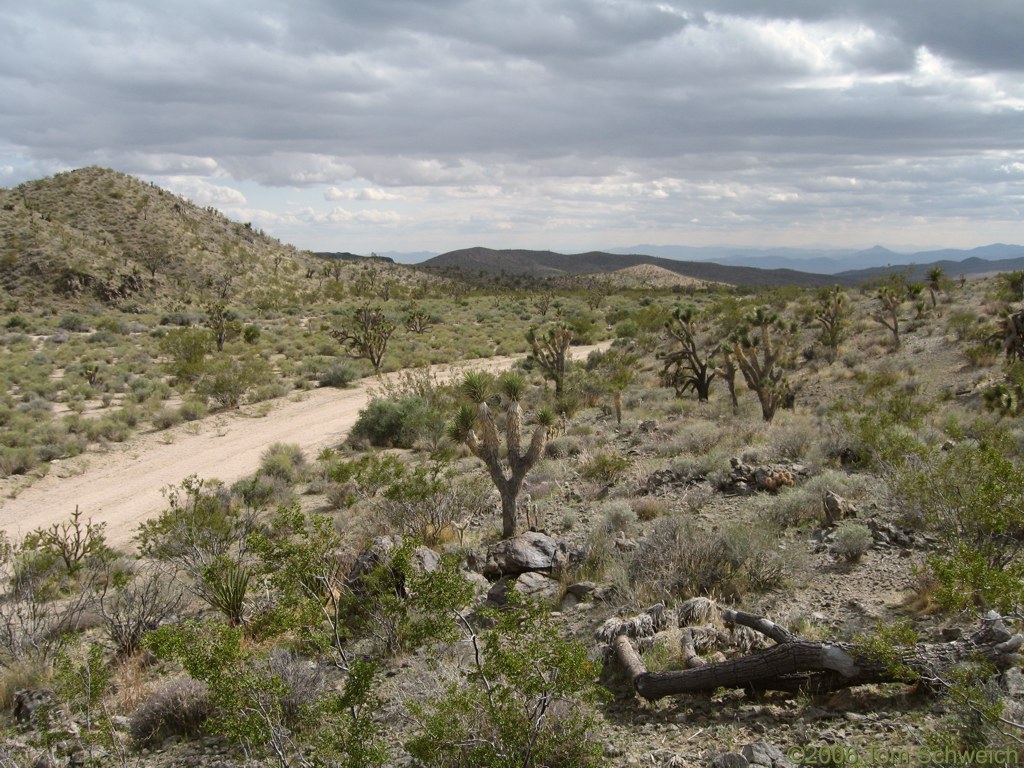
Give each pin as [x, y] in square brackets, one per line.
[98, 235]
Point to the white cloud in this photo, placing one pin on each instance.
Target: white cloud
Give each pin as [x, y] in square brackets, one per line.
[203, 192]
[365, 193]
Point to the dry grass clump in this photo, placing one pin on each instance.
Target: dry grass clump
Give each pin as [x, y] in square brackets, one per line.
[647, 508]
[176, 707]
[794, 437]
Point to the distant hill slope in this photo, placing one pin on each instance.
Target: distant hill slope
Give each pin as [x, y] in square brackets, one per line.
[98, 235]
[551, 264]
[824, 261]
[1003, 261]
[648, 276]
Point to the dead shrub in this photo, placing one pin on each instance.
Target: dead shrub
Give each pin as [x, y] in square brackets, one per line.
[177, 707]
[303, 680]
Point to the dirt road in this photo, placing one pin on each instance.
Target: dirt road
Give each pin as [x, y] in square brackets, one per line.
[122, 487]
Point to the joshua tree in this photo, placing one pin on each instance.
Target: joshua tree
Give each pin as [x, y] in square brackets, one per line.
[727, 370]
[366, 335]
[762, 347]
[476, 427]
[936, 277]
[417, 320]
[831, 316]
[690, 366]
[891, 297]
[617, 370]
[551, 352]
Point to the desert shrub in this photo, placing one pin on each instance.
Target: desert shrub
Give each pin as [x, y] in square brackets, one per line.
[200, 525]
[397, 423]
[226, 380]
[430, 499]
[186, 350]
[268, 391]
[176, 707]
[340, 374]
[399, 607]
[563, 446]
[526, 702]
[303, 683]
[647, 508]
[605, 467]
[971, 497]
[193, 410]
[75, 543]
[17, 461]
[793, 439]
[132, 608]
[618, 516]
[17, 321]
[166, 417]
[852, 540]
[962, 323]
[283, 460]
[678, 560]
[74, 323]
[791, 507]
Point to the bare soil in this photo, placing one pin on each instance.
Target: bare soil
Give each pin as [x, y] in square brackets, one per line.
[122, 486]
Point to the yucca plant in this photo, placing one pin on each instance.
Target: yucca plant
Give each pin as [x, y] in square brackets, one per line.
[225, 584]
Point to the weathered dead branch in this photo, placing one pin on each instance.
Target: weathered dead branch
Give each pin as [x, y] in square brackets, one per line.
[795, 663]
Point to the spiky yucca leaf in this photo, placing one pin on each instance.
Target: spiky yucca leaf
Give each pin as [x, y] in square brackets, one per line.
[476, 386]
[463, 423]
[512, 385]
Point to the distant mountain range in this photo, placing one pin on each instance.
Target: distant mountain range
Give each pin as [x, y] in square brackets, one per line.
[824, 261]
[736, 266]
[478, 260]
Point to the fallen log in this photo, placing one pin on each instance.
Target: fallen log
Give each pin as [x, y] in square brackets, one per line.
[795, 663]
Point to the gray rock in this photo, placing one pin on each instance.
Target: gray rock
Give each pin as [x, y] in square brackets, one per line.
[760, 753]
[1013, 678]
[581, 589]
[729, 760]
[529, 551]
[423, 560]
[29, 702]
[536, 586]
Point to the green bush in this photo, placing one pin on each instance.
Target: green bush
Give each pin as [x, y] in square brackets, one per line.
[398, 423]
[852, 540]
[226, 381]
[283, 460]
[74, 323]
[340, 374]
[502, 715]
[605, 467]
[972, 497]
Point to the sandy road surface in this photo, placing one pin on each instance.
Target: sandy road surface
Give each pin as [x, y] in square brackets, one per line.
[122, 486]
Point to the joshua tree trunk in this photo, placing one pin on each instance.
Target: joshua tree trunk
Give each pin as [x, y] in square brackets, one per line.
[795, 663]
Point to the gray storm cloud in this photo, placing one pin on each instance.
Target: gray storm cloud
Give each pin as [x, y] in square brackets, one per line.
[808, 110]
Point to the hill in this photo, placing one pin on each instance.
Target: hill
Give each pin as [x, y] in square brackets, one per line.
[550, 264]
[649, 276]
[99, 235]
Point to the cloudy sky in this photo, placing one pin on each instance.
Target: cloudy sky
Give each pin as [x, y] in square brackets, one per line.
[379, 125]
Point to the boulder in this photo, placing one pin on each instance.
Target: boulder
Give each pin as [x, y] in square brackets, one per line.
[535, 586]
[529, 551]
[423, 560]
[836, 508]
